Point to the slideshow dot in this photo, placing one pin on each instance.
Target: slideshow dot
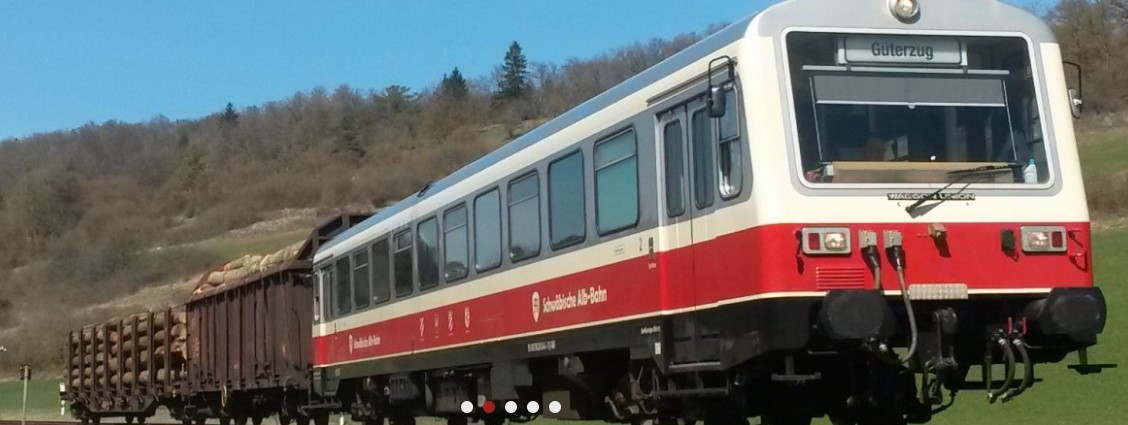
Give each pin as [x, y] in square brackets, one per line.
[467, 406]
[554, 406]
[511, 406]
[488, 406]
[533, 407]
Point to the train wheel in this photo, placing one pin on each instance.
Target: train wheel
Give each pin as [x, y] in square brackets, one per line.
[240, 420]
[128, 420]
[225, 420]
[95, 420]
[284, 419]
[140, 420]
[256, 420]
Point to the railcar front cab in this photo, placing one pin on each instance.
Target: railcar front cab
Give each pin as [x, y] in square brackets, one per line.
[921, 112]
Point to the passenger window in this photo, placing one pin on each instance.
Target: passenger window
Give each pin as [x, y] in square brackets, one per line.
[675, 168]
[360, 279]
[344, 292]
[703, 169]
[731, 174]
[428, 253]
[324, 291]
[729, 125]
[487, 230]
[403, 271]
[566, 223]
[381, 271]
[616, 183]
[456, 244]
[524, 217]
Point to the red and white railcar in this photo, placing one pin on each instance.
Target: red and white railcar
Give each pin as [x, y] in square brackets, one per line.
[830, 207]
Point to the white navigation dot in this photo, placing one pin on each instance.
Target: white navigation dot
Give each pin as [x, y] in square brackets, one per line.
[511, 406]
[554, 406]
[467, 406]
[533, 407]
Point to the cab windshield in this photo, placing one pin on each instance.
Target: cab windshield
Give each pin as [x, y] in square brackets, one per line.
[912, 109]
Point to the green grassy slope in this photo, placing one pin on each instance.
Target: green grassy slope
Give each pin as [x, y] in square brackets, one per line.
[42, 398]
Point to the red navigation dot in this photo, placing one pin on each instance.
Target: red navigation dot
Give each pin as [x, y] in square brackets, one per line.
[488, 406]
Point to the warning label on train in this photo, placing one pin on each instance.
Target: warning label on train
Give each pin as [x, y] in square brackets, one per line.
[566, 301]
[907, 196]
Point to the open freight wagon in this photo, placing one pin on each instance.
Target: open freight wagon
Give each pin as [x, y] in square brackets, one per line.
[249, 354]
[126, 367]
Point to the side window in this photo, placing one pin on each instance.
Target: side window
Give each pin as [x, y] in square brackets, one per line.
[343, 292]
[616, 183]
[703, 168]
[524, 217]
[456, 244]
[404, 276]
[487, 230]
[381, 271]
[323, 291]
[674, 168]
[566, 223]
[360, 279]
[729, 148]
[428, 253]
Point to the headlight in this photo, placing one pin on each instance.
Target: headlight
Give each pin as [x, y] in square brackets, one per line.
[835, 241]
[905, 10]
[1043, 239]
[825, 240]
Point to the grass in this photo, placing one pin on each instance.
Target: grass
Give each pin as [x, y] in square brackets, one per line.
[1103, 151]
[230, 248]
[42, 398]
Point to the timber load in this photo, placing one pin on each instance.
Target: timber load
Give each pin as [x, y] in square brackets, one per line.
[141, 351]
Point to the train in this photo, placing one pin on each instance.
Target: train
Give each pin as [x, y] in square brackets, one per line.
[828, 208]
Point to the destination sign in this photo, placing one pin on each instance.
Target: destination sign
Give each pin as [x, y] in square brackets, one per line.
[905, 50]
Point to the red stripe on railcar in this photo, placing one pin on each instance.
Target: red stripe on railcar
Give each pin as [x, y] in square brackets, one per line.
[761, 260]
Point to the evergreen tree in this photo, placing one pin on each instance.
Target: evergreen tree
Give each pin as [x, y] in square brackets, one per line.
[454, 85]
[229, 116]
[514, 74]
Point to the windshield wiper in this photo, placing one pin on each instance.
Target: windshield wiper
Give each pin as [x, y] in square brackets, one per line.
[964, 175]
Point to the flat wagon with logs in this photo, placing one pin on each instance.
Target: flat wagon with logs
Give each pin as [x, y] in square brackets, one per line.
[126, 367]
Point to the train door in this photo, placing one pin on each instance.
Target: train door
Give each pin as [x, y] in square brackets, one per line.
[679, 265]
[320, 311]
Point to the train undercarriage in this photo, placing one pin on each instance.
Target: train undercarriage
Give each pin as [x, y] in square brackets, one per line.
[829, 357]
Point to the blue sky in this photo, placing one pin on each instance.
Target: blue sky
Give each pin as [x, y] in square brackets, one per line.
[66, 63]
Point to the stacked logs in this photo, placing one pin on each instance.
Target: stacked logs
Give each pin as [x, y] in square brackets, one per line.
[242, 267]
[118, 352]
